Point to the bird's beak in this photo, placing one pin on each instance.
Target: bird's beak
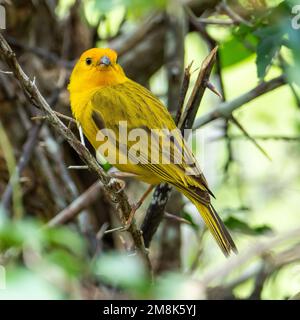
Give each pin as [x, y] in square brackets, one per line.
[105, 61]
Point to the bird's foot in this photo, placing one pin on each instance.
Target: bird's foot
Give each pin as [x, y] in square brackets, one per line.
[134, 208]
[128, 223]
[117, 184]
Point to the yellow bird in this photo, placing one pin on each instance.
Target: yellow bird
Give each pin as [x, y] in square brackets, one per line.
[105, 102]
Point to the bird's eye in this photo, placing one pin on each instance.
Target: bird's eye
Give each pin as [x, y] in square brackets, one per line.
[88, 61]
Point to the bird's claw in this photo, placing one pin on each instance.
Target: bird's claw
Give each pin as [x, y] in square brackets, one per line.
[117, 184]
[128, 223]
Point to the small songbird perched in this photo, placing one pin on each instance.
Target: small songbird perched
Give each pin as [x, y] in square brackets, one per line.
[104, 101]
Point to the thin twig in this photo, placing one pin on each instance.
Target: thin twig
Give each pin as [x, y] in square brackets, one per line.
[140, 33]
[83, 201]
[195, 98]
[236, 18]
[183, 91]
[251, 138]
[219, 22]
[42, 53]
[176, 218]
[78, 167]
[5, 72]
[258, 249]
[213, 89]
[271, 137]
[225, 109]
[60, 115]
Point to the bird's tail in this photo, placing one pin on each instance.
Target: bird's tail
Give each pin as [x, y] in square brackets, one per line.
[214, 223]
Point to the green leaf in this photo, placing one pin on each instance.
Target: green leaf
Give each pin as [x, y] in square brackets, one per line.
[270, 43]
[234, 223]
[273, 32]
[240, 52]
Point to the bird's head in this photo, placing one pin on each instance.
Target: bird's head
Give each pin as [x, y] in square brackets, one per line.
[95, 68]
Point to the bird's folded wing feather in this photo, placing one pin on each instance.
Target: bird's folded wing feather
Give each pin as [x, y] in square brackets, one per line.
[140, 109]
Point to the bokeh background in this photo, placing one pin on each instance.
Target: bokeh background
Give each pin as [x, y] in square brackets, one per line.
[258, 198]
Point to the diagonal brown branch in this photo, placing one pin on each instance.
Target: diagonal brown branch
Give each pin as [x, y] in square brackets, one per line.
[35, 97]
[79, 204]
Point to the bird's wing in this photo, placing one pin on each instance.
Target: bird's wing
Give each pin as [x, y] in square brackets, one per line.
[136, 106]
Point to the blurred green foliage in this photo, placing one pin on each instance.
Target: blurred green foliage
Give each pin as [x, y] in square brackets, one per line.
[135, 8]
[51, 262]
[236, 224]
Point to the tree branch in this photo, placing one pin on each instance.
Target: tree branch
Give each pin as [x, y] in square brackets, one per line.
[225, 109]
[258, 249]
[79, 204]
[33, 94]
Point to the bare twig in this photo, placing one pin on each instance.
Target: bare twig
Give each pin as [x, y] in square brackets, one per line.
[199, 22]
[151, 23]
[42, 53]
[5, 72]
[260, 271]
[195, 98]
[78, 167]
[248, 136]
[176, 218]
[236, 18]
[35, 97]
[220, 22]
[60, 115]
[258, 249]
[79, 204]
[213, 89]
[225, 109]
[271, 137]
[183, 91]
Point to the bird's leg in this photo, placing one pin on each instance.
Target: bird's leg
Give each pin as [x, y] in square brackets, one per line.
[134, 208]
[137, 205]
